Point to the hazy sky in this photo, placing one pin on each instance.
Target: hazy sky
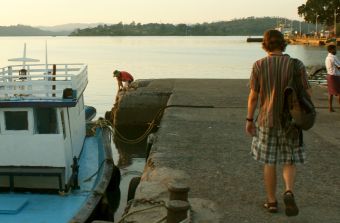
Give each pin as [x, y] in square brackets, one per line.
[55, 12]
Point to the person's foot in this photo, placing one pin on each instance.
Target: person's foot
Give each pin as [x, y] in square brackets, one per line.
[271, 206]
[291, 208]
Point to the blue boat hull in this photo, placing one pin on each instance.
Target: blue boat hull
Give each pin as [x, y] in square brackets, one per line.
[96, 169]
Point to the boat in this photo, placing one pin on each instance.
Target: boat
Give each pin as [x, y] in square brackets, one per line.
[254, 39]
[50, 170]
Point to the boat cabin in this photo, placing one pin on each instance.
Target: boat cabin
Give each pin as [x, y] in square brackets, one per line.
[42, 125]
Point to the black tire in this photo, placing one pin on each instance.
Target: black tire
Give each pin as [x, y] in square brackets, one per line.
[132, 188]
[115, 179]
[319, 74]
[148, 149]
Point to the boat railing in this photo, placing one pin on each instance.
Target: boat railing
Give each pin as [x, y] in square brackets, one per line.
[41, 81]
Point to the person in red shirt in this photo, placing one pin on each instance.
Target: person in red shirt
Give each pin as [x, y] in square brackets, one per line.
[124, 79]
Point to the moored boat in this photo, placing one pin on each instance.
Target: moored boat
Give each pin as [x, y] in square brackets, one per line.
[50, 171]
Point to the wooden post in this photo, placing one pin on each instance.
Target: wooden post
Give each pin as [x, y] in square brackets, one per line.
[54, 72]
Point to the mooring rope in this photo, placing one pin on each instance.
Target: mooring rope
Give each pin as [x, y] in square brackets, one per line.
[151, 124]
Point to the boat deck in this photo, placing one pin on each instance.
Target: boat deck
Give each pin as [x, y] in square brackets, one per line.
[58, 83]
[53, 208]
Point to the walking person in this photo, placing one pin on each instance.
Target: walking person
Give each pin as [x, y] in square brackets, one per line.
[333, 75]
[124, 79]
[271, 143]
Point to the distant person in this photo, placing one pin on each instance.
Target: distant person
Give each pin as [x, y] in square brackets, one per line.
[272, 144]
[22, 74]
[124, 79]
[333, 75]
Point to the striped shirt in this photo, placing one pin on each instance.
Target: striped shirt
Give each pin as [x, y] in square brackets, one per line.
[269, 78]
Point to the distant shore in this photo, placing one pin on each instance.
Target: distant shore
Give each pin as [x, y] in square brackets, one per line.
[250, 26]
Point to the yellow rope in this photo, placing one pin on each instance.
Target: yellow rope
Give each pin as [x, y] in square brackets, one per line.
[102, 123]
[123, 218]
[152, 124]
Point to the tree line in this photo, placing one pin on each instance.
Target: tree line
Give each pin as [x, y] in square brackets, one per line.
[236, 27]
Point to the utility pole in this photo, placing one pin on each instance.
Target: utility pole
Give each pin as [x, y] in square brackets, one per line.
[316, 25]
[335, 22]
[300, 29]
[308, 28]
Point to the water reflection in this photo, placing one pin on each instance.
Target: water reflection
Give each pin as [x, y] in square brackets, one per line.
[310, 55]
[127, 152]
[131, 162]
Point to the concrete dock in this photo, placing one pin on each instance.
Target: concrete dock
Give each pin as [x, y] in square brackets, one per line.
[201, 142]
[313, 41]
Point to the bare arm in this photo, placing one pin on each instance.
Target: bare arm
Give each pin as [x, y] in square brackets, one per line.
[252, 104]
[120, 84]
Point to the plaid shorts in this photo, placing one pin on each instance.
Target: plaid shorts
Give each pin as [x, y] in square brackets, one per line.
[272, 146]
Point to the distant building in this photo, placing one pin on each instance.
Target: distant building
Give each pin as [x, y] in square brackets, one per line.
[285, 28]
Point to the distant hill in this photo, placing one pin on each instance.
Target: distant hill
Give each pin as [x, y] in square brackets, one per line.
[23, 30]
[250, 26]
[70, 27]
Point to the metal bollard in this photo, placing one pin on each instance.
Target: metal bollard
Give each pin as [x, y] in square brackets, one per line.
[178, 191]
[177, 211]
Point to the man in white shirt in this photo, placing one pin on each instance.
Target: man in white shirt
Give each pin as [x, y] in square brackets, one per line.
[333, 68]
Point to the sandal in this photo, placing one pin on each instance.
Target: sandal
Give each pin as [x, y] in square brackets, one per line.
[271, 207]
[291, 208]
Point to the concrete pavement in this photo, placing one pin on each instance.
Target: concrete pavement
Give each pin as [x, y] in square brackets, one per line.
[201, 142]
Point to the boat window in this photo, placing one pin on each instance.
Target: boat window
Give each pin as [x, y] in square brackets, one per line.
[45, 121]
[63, 123]
[16, 120]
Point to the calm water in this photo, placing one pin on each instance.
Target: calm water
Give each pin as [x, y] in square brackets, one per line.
[149, 57]
[144, 58]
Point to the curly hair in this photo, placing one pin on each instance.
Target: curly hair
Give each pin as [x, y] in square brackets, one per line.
[273, 40]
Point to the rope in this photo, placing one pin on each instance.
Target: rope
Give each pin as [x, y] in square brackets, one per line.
[155, 205]
[95, 173]
[134, 172]
[100, 123]
[152, 124]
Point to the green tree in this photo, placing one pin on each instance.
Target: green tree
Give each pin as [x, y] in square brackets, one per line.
[238, 27]
[320, 11]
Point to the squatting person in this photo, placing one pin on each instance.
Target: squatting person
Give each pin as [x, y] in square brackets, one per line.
[124, 79]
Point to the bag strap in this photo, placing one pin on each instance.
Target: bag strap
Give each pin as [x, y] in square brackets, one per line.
[296, 77]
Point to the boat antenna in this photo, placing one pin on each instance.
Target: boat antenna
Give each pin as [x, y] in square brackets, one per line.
[23, 59]
[46, 61]
[24, 56]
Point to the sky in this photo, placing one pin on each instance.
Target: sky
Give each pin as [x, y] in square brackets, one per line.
[57, 12]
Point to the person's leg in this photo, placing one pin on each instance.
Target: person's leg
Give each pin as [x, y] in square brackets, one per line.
[330, 102]
[289, 172]
[125, 85]
[270, 182]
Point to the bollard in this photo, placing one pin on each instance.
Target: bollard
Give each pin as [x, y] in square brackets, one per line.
[178, 191]
[177, 211]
